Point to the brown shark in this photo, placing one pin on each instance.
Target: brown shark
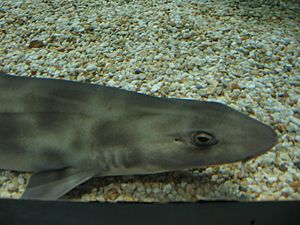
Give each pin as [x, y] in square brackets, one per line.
[68, 132]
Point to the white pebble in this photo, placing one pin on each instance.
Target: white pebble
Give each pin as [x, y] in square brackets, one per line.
[91, 67]
[155, 87]
[167, 188]
[272, 179]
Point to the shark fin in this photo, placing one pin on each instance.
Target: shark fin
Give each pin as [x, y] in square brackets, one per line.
[51, 185]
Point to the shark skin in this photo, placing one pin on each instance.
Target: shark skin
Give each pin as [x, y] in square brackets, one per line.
[68, 132]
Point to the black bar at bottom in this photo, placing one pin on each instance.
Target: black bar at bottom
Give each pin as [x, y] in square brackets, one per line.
[25, 212]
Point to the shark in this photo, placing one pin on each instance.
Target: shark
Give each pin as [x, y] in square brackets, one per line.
[67, 132]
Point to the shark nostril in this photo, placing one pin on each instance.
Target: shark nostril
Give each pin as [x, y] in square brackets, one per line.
[177, 139]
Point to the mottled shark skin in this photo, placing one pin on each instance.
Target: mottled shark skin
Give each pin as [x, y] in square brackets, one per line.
[68, 132]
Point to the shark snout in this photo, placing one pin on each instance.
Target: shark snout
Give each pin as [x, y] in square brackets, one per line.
[260, 139]
[268, 137]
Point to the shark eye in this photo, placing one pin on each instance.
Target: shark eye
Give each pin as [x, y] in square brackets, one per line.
[203, 138]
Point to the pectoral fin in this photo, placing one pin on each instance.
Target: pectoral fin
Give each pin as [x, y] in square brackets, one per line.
[51, 185]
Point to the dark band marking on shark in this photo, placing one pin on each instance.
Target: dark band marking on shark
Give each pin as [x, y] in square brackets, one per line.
[68, 132]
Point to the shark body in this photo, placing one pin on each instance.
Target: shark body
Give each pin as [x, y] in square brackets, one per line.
[68, 132]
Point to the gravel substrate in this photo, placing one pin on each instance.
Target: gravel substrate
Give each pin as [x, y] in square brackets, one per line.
[246, 55]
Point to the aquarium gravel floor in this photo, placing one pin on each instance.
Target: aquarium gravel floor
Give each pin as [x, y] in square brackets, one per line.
[241, 53]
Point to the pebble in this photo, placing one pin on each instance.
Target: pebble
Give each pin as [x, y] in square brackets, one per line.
[294, 120]
[36, 44]
[91, 67]
[272, 179]
[167, 188]
[156, 87]
[168, 48]
[297, 164]
[21, 180]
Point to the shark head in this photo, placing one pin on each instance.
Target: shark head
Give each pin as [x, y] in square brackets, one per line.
[193, 134]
